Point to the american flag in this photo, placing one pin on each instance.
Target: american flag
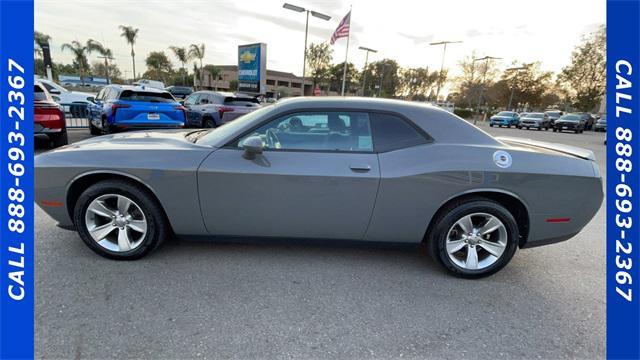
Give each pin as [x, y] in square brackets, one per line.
[343, 28]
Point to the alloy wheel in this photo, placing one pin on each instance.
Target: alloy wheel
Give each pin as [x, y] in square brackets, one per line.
[476, 241]
[116, 222]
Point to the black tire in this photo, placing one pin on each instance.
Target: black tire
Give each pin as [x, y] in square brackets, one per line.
[539, 128]
[490, 125]
[106, 129]
[94, 130]
[509, 126]
[555, 130]
[59, 139]
[157, 228]
[436, 238]
[208, 123]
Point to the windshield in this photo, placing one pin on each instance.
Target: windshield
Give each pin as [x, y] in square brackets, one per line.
[505, 113]
[570, 117]
[144, 96]
[230, 128]
[535, 115]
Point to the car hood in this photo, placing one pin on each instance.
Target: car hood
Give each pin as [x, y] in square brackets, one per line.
[148, 140]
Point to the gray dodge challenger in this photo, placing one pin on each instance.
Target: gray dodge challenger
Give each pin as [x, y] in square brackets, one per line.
[325, 168]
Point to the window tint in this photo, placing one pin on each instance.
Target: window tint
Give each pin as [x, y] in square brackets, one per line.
[322, 131]
[191, 100]
[146, 96]
[49, 87]
[39, 94]
[392, 132]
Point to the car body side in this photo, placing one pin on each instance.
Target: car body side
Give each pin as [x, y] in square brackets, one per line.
[413, 183]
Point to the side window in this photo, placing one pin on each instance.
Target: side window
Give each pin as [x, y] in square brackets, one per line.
[191, 100]
[205, 99]
[47, 86]
[392, 132]
[319, 131]
[100, 95]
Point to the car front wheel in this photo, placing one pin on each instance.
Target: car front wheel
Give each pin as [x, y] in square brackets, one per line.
[473, 238]
[120, 220]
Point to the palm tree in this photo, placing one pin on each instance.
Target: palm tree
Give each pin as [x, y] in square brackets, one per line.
[197, 52]
[80, 53]
[93, 45]
[214, 71]
[130, 34]
[182, 56]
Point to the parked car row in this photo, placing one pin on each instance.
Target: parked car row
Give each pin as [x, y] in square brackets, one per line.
[553, 119]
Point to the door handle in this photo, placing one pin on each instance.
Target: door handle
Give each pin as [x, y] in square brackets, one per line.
[360, 167]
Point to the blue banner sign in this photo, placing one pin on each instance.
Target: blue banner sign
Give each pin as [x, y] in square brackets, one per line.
[252, 73]
[16, 179]
[623, 183]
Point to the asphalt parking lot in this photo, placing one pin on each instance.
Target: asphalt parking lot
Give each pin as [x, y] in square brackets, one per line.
[296, 300]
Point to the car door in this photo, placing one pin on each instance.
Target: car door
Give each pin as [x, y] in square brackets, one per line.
[193, 115]
[316, 178]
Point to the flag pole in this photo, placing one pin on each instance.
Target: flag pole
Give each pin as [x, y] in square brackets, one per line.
[346, 54]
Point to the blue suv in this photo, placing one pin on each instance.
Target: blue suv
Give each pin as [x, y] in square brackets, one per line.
[121, 107]
[505, 118]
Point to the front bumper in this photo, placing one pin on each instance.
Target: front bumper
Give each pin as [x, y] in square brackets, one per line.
[568, 126]
[533, 124]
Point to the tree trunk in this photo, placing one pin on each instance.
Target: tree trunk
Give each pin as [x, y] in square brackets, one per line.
[133, 60]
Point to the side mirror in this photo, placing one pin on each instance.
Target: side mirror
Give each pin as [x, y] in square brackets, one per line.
[252, 146]
[54, 91]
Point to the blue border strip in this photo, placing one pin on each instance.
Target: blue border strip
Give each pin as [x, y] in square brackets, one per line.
[16, 178]
[623, 183]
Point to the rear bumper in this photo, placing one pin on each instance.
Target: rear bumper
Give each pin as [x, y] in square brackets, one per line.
[41, 128]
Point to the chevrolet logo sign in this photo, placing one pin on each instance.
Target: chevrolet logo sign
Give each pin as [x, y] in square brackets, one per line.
[247, 57]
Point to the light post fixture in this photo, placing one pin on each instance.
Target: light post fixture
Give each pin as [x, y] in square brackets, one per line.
[444, 51]
[513, 83]
[366, 60]
[486, 59]
[306, 32]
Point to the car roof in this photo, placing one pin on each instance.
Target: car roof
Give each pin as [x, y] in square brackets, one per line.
[138, 88]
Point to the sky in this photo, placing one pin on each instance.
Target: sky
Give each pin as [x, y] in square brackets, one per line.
[522, 31]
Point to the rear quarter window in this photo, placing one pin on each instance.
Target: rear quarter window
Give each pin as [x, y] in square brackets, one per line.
[391, 132]
[39, 94]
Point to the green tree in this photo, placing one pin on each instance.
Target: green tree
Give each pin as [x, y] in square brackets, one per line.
[79, 52]
[416, 83]
[233, 85]
[352, 78]
[386, 70]
[131, 35]
[99, 68]
[158, 65]
[527, 85]
[319, 58]
[475, 76]
[196, 52]
[93, 45]
[585, 76]
[181, 54]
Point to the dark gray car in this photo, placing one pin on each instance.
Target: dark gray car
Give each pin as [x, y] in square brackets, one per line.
[325, 168]
[209, 109]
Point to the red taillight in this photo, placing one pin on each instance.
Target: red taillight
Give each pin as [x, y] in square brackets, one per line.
[184, 111]
[223, 110]
[49, 115]
[117, 106]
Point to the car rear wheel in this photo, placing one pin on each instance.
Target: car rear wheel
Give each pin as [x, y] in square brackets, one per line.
[94, 130]
[473, 238]
[209, 123]
[120, 220]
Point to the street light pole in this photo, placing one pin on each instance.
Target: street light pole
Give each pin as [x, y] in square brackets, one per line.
[306, 32]
[366, 60]
[484, 75]
[444, 51]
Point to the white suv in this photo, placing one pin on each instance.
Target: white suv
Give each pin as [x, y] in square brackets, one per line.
[64, 96]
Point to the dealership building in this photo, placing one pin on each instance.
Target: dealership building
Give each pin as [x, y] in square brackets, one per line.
[279, 83]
